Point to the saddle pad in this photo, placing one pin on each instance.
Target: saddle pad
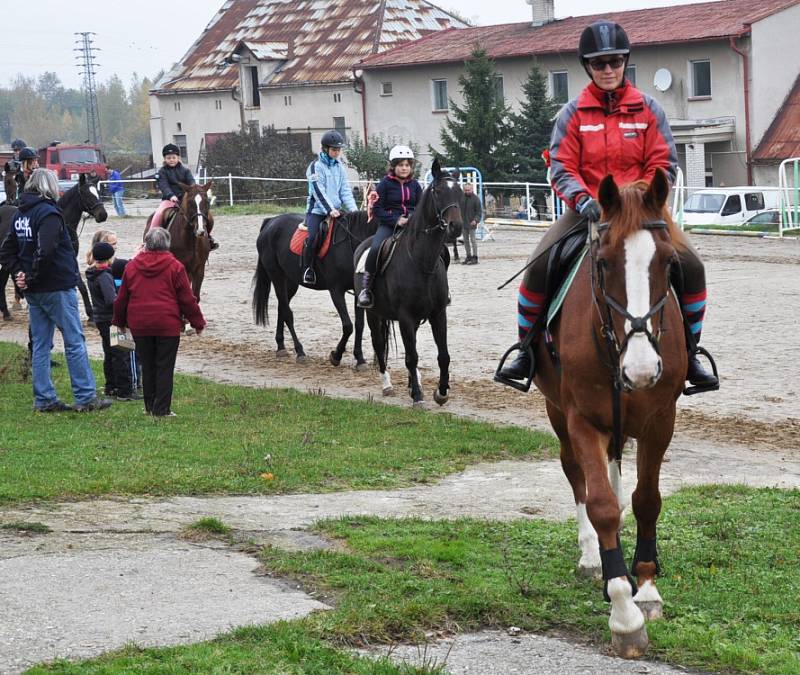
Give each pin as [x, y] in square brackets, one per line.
[301, 234]
[384, 255]
[555, 305]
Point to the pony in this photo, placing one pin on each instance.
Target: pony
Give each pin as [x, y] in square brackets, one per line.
[413, 287]
[189, 230]
[277, 266]
[614, 369]
[82, 198]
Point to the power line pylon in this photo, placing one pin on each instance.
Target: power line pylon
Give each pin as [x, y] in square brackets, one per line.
[87, 67]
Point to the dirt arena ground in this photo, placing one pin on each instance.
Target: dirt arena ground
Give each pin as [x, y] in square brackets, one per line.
[754, 287]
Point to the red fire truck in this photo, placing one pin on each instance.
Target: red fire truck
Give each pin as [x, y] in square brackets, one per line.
[68, 160]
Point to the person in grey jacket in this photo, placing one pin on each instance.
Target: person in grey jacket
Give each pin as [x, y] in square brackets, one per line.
[472, 213]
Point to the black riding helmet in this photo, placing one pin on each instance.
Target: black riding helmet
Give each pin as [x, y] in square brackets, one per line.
[332, 139]
[170, 149]
[603, 38]
[27, 153]
[18, 144]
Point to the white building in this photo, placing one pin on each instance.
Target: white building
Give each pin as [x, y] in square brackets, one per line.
[281, 63]
[721, 70]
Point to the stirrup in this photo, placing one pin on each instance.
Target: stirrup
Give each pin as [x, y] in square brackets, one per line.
[525, 385]
[700, 388]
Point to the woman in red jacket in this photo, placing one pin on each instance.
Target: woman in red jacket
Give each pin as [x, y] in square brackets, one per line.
[154, 297]
[611, 128]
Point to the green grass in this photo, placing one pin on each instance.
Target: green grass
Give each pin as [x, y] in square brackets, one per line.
[232, 440]
[731, 584]
[744, 228]
[206, 528]
[29, 527]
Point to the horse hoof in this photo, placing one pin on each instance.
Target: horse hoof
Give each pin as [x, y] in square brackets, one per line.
[388, 391]
[301, 358]
[282, 354]
[652, 609]
[419, 405]
[6, 317]
[630, 645]
[591, 571]
[439, 398]
[334, 361]
[361, 367]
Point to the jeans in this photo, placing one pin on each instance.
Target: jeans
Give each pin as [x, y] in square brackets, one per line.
[46, 311]
[119, 207]
[381, 235]
[470, 242]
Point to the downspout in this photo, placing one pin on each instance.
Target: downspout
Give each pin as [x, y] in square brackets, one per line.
[746, 69]
[240, 101]
[359, 79]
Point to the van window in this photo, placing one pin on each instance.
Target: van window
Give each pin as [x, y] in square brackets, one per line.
[54, 157]
[703, 202]
[732, 206]
[754, 201]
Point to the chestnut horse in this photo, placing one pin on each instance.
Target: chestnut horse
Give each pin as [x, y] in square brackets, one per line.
[620, 370]
[189, 232]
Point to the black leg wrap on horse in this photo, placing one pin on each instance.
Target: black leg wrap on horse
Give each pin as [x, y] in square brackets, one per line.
[646, 551]
[614, 566]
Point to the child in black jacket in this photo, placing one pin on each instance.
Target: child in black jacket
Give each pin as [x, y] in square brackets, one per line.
[116, 361]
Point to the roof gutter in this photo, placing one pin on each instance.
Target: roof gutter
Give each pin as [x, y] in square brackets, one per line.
[358, 79]
[746, 72]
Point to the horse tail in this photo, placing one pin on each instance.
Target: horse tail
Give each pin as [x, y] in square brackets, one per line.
[261, 286]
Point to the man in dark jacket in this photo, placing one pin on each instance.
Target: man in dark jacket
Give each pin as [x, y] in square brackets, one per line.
[472, 213]
[40, 256]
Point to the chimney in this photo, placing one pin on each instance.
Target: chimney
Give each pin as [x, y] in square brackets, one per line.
[543, 11]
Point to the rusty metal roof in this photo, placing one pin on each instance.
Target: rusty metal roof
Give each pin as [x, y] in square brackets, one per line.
[661, 25]
[319, 40]
[782, 139]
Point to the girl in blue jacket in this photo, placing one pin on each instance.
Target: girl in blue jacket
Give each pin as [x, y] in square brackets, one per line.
[398, 195]
[328, 193]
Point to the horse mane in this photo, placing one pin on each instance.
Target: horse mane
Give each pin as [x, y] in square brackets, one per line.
[628, 218]
[417, 221]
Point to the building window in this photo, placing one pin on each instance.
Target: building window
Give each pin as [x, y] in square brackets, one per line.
[177, 106]
[440, 101]
[559, 86]
[254, 100]
[498, 89]
[180, 141]
[630, 74]
[340, 126]
[218, 104]
[287, 100]
[179, 126]
[337, 98]
[701, 79]
[386, 89]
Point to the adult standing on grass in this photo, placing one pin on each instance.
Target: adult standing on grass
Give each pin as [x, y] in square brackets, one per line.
[39, 253]
[117, 189]
[471, 213]
[154, 297]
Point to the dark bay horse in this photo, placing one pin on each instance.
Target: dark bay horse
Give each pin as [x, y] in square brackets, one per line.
[189, 231]
[413, 288]
[622, 364]
[82, 198]
[279, 267]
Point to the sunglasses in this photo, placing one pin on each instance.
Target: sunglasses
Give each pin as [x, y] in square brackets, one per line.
[600, 64]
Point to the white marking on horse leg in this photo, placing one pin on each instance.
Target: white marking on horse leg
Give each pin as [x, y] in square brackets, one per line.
[615, 478]
[201, 226]
[648, 593]
[641, 364]
[386, 383]
[590, 546]
[625, 617]
[419, 377]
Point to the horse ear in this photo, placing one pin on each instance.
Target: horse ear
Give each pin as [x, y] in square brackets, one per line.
[207, 187]
[608, 194]
[7, 167]
[183, 186]
[82, 179]
[658, 192]
[455, 174]
[436, 168]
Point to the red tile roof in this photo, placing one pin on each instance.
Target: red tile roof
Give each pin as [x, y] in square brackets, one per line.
[661, 25]
[782, 139]
[323, 39]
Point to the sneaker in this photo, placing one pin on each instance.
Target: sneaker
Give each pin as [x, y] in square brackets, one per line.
[55, 406]
[130, 396]
[96, 404]
[169, 414]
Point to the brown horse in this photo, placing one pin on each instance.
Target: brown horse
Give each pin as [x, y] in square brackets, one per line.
[620, 368]
[10, 184]
[189, 232]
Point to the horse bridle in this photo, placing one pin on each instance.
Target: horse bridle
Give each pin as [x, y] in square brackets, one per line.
[441, 223]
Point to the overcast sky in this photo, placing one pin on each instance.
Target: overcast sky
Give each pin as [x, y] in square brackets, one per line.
[149, 35]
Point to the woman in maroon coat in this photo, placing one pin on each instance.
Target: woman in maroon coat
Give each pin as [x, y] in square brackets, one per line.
[154, 297]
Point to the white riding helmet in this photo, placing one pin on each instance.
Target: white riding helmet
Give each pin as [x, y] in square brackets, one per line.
[401, 152]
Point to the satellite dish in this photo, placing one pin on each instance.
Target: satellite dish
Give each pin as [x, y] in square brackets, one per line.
[662, 80]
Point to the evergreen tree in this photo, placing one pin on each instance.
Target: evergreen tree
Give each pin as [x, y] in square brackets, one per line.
[532, 127]
[477, 134]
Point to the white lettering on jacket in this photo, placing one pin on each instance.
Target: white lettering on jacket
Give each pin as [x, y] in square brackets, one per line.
[22, 226]
[633, 125]
[592, 127]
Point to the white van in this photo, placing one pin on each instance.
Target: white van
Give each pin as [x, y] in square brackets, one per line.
[728, 206]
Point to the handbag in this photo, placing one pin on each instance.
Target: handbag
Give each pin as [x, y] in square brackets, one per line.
[122, 340]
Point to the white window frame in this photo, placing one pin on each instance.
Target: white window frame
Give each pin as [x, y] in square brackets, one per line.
[700, 97]
[631, 67]
[553, 74]
[433, 95]
[387, 89]
[337, 97]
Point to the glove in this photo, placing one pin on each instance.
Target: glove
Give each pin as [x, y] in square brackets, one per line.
[589, 209]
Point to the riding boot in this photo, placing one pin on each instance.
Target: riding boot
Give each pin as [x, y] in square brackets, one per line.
[696, 374]
[365, 299]
[519, 368]
[309, 277]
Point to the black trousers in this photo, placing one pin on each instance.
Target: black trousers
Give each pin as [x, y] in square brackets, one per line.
[116, 363]
[157, 355]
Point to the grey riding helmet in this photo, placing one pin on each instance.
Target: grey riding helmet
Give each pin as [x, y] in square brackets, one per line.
[332, 139]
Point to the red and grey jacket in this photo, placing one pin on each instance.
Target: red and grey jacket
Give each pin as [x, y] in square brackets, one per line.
[624, 133]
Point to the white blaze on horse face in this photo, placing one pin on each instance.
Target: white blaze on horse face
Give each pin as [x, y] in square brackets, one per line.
[93, 190]
[201, 226]
[641, 365]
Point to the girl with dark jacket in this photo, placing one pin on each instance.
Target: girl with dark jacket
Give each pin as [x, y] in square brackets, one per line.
[398, 195]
